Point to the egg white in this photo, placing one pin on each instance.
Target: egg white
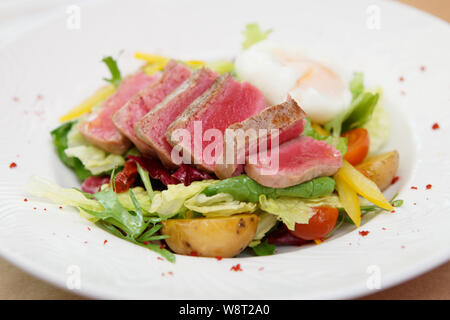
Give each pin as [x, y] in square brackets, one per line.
[278, 70]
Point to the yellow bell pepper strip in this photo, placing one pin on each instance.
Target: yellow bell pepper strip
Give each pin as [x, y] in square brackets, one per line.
[151, 58]
[349, 200]
[318, 128]
[154, 64]
[87, 105]
[195, 63]
[362, 185]
[150, 69]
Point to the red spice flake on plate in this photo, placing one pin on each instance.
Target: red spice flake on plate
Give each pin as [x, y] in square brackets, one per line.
[16, 99]
[261, 269]
[219, 258]
[39, 97]
[415, 204]
[159, 258]
[25, 200]
[422, 68]
[414, 188]
[60, 207]
[170, 273]
[12, 165]
[435, 126]
[401, 79]
[393, 211]
[429, 186]
[34, 208]
[236, 268]
[105, 242]
[85, 242]
[89, 229]
[193, 254]
[364, 233]
[162, 274]
[403, 247]
[396, 178]
[383, 228]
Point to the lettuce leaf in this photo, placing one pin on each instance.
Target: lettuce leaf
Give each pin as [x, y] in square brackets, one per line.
[95, 160]
[221, 66]
[60, 141]
[253, 34]
[378, 128]
[294, 210]
[221, 204]
[339, 143]
[360, 110]
[266, 221]
[170, 202]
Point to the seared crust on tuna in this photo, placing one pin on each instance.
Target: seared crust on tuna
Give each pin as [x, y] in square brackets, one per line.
[286, 118]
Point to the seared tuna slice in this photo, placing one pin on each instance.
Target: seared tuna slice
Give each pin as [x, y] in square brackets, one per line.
[151, 128]
[285, 120]
[205, 120]
[138, 106]
[299, 160]
[99, 129]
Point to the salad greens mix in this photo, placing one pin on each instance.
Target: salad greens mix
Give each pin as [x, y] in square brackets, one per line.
[139, 214]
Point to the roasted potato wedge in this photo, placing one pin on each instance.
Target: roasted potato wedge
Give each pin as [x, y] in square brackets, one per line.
[211, 237]
[381, 169]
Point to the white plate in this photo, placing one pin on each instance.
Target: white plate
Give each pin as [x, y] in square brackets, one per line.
[51, 68]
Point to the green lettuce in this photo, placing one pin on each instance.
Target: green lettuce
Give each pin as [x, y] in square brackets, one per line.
[170, 202]
[60, 141]
[360, 110]
[339, 143]
[221, 204]
[95, 160]
[294, 210]
[253, 34]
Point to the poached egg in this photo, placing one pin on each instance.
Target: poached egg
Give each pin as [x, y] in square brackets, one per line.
[278, 71]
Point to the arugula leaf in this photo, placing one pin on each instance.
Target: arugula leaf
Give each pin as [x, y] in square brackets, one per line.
[169, 256]
[264, 249]
[116, 77]
[132, 223]
[372, 208]
[59, 137]
[253, 34]
[145, 177]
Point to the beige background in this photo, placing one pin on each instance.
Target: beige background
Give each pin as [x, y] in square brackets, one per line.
[15, 284]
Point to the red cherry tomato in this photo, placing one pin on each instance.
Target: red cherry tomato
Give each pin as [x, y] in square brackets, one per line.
[318, 226]
[358, 145]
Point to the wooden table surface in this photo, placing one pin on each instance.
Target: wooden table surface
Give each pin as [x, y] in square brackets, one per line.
[16, 284]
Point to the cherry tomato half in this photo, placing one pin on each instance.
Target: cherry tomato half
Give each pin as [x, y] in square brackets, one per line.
[318, 226]
[358, 145]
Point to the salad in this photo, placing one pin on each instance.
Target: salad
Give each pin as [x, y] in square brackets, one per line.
[213, 158]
